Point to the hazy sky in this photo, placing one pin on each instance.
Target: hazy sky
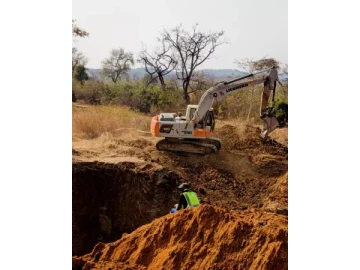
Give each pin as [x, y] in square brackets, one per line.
[254, 28]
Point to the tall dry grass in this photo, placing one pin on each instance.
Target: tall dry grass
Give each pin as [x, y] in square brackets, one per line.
[91, 121]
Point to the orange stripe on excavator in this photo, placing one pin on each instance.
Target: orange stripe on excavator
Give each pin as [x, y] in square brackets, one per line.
[202, 133]
[154, 128]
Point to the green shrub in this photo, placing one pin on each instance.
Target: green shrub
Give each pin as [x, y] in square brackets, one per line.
[281, 112]
[153, 99]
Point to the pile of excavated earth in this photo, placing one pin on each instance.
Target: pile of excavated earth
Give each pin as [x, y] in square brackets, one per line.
[123, 190]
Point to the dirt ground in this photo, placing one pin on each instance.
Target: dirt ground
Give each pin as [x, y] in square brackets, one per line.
[205, 238]
[241, 186]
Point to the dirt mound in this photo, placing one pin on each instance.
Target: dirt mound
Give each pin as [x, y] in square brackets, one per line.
[206, 237]
[246, 139]
[278, 198]
[140, 143]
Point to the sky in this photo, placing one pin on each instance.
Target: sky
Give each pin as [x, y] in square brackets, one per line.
[253, 28]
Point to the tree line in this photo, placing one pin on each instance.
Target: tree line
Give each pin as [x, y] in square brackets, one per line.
[178, 51]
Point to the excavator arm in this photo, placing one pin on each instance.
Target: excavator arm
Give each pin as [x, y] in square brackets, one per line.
[224, 89]
[219, 91]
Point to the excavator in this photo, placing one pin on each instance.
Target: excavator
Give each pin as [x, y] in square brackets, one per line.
[192, 133]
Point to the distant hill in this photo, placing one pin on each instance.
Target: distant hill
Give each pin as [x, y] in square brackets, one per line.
[283, 77]
[218, 74]
[223, 73]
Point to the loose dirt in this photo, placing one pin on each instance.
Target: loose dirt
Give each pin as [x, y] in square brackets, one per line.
[206, 237]
[123, 189]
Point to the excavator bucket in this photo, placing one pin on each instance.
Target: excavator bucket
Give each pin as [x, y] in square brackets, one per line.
[270, 124]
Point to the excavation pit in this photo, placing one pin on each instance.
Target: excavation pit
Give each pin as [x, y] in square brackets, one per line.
[109, 200]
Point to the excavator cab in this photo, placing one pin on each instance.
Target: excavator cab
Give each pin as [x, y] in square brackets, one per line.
[190, 112]
[209, 120]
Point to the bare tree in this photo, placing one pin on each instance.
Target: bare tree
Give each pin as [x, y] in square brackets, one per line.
[117, 64]
[77, 31]
[200, 81]
[158, 64]
[251, 66]
[190, 50]
[78, 58]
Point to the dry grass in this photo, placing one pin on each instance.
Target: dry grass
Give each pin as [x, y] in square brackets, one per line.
[91, 121]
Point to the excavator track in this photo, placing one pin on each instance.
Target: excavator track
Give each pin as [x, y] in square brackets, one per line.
[189, 146]
[214, 141]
